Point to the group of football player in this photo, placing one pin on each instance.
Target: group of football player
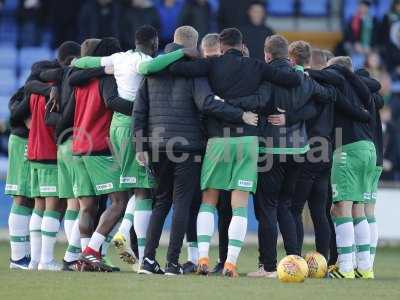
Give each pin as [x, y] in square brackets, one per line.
[110, 141]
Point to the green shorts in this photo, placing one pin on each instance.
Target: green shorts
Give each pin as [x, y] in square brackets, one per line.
[65, 162]
[353, 170]
[230, 164]
[104, 174]
[132, 175]
[374, 187]
[19, 170]
[82, 185]
[44, 180]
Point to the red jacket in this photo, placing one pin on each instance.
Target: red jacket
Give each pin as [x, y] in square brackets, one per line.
[92, 120]
[41, 139]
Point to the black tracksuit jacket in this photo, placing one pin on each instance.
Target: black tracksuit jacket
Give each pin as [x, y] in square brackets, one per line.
[353, 98]
[232, 76]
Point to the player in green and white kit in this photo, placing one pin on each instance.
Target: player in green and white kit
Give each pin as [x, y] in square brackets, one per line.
[18, 186]
[129, 68]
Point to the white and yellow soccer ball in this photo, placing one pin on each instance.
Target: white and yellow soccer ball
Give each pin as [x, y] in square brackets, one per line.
[317, 265]
[292, 268]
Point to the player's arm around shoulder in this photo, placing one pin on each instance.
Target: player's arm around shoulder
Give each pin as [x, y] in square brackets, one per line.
[159, 63]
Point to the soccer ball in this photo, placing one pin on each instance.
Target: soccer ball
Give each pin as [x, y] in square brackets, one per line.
[292, 268]
[301, 262]
[317, 265]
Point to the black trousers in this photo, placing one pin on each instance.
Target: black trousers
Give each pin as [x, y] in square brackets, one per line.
[333, 255]
[272, 204]
[224, 209]
[178, 183]
[191, 232]
[312, 187]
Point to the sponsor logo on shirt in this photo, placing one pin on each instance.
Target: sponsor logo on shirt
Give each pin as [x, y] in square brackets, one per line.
[245, 183]
[11, 187]
[127, 180]
[104, 186]
[48, 189]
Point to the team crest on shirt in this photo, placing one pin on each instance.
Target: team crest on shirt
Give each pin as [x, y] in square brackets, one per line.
[245, 183]
[127, 180]
[104, 186]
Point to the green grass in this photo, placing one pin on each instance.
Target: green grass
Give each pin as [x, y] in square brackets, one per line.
[127, 285]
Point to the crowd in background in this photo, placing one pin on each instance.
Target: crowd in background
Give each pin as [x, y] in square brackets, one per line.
[371, 42]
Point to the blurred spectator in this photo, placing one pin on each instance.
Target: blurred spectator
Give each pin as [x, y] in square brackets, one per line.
[378, 71]
[256, 31]
[392, 17]
[233, 13]
[64, 21]
[31, 18]
[169, 11]
[198, 14]
[391, 40]
[135, 15]
[98, 19]
[391, 148]
[360, 33]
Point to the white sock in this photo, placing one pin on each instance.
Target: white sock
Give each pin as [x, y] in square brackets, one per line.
[84, 242]
[74, 246]
[36, 234]
[107, 241]
[127, 221]
[143, 209]
[344, 242]
[96, 241]
[50, 228]
[237, 233]
[205, 228]
[69, 220]
[362, 239]
[192, 252]
[18, 226]
[374, 236]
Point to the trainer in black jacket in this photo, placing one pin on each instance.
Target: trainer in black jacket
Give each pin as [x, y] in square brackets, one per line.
[169, 108]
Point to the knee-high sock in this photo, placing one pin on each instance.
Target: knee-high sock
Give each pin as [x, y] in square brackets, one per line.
[127, 221]
[193, 252]
[109, 237]
[237, 233]
[50, 228]
[69, 221]
[362, 242]
[143, 208]
[344, 241]
[18, 226]
[205, 228]
[373, 231]
[74, 245]
[36, 234]
[96, 241]
[84, 242]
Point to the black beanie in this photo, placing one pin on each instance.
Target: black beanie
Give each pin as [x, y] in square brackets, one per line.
[67, 51]
[107, 47]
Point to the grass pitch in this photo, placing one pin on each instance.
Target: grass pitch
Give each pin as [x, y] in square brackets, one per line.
[127, 285]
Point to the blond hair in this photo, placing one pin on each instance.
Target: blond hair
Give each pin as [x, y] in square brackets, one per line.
[186, 36]
[300, 52]
[344, 61]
